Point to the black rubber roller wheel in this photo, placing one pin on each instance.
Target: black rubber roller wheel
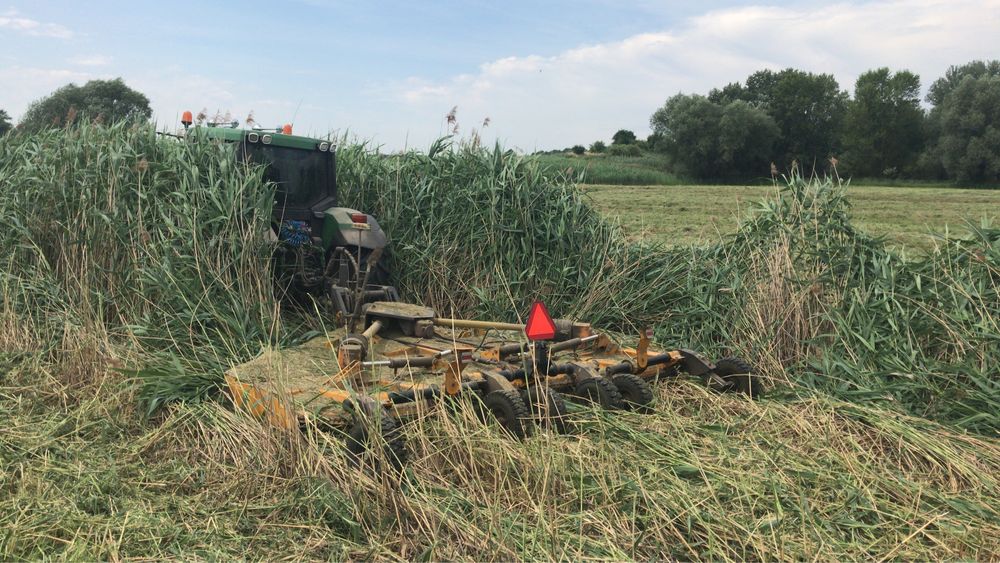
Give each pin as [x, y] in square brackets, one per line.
[739, 376]
[636, 393]
[362, 443]
[600, 391]
[509, 411]
[547, 408]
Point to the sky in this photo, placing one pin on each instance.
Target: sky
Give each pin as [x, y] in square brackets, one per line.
[547, 74]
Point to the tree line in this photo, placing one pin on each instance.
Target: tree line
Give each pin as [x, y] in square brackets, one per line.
[776, 120]
[766, 125]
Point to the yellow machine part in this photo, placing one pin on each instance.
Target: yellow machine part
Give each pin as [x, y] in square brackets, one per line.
[261, 403]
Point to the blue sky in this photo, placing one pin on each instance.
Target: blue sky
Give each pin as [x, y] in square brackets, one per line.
[547, 74]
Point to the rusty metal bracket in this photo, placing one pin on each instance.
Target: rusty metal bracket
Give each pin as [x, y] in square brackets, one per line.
[642, 350]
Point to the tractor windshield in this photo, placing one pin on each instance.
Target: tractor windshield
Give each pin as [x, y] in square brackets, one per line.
[303, 177]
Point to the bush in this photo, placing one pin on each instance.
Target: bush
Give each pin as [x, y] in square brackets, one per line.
[578, 149]
[625, 150]
[598, 147]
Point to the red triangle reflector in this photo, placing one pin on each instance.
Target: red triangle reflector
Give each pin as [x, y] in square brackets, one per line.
[540, 325]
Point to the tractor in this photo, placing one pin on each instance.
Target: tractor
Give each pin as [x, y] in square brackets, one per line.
[384, 360]
[323, 251]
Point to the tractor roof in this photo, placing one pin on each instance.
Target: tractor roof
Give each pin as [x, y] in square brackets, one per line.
[276, 138]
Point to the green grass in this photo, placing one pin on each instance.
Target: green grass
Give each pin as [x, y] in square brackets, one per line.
[681, 215]
[648, 169]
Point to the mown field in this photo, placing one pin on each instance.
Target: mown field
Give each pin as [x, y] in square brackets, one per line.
[148, 275]
[911, 218]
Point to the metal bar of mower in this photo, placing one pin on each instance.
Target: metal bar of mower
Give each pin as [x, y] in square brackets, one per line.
[483, 325]
[522, 348]
[403, 397]
[412, 362]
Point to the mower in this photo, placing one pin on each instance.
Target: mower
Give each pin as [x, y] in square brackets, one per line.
[384, 360]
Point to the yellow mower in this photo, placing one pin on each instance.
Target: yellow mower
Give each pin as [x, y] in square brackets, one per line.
[407, 360]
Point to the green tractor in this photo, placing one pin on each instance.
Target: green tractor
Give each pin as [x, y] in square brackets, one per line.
[326, 253]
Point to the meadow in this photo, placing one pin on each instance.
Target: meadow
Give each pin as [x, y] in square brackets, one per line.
[911, 218]
[136, 270]
[648, 169]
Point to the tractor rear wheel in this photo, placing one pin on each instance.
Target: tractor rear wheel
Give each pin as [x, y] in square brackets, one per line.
[601, 391]
[362, 441]
[509, 411]
[547, 407]
[635, 391]
[740, 377]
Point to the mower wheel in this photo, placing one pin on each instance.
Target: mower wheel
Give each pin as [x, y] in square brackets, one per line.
[600, 391]
[360, 442]
[510, 411]
[740, 377]
[547, 408]
[636, 393]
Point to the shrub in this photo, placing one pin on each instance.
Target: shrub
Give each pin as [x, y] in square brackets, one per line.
[625, 150]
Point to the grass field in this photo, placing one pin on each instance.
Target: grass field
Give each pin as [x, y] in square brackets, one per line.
[679, 215]
[648, 169]
[149, 274]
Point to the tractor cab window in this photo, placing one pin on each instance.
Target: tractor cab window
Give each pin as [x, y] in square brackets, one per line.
[303, 177]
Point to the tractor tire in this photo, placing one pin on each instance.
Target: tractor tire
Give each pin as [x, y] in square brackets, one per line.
[360, 441]
[740, 377]
[600, 391]
[546, 407]
[510, 412]
[636, 393]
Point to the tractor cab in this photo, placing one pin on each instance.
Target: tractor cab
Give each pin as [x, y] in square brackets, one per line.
[327, 249]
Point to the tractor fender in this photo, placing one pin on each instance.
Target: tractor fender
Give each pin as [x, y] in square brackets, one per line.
[339, 229]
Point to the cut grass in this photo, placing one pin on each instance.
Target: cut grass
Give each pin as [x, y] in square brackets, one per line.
[683, 215]
[704, 477]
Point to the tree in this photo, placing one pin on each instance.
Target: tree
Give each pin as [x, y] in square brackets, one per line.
[623, 137]
[746, 139]
[688, 125]
[954, 76]
[578, 149]
[955, 133]
[730, 93]
[598, 147]
[654, 142]
[883, 131]
[710, 140]
[5, 124]
[808, 108]
[969, 124]
[101, 100]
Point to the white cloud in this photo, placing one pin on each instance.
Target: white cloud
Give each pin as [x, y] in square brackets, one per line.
[13, 21]
[22, 85]
[91, 60]
[587, 93]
